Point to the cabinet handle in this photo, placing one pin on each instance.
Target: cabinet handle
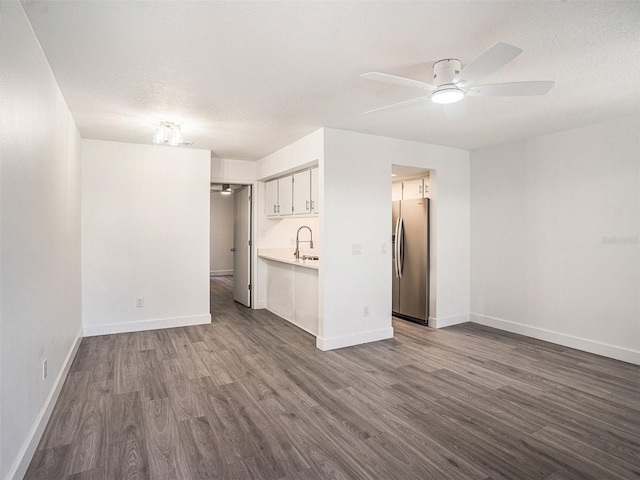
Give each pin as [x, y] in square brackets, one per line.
[274, 209]
[420, 189]
[307, 209]
[278, 208]
[312, 205]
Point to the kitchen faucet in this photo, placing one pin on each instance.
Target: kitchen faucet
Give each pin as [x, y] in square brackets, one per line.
[297, 252]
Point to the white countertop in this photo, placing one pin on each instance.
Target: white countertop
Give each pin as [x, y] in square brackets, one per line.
[285, 255]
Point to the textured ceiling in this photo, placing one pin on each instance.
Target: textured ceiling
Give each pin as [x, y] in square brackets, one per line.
[247, 78]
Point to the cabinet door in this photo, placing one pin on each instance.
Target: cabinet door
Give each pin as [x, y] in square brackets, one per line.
[412, 189]
[271, 198]
[315, 200]
[302, 192]
[285, 195]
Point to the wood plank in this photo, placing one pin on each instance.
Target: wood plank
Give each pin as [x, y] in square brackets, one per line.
[151, 381]
[127, 453]
[164, 446]
[204, 459]
[48, 463]
[67, 417]
[90, 445]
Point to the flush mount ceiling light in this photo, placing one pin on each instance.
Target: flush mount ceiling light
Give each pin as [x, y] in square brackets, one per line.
[226, 189]
[168, 133]
[447, 94]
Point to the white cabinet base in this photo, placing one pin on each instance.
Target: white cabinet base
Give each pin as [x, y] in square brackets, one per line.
[305, 299]
[292, 293]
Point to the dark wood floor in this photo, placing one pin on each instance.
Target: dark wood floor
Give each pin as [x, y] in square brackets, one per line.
[249, 396]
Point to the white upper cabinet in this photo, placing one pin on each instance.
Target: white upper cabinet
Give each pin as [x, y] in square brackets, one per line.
[285, 195]
[279, 196]
[295, 194]
[412, 189]
[408, 189]
[302, 192]
[271, 198]
[315, 200]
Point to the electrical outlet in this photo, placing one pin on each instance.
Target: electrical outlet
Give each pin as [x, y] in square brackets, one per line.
[356, 249]
[44, 370]
[139, 302]
[365, 311]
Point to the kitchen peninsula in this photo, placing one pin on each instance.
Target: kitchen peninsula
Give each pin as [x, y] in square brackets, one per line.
[292, 287]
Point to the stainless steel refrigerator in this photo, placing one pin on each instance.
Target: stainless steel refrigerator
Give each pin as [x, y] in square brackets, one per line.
[410, 247]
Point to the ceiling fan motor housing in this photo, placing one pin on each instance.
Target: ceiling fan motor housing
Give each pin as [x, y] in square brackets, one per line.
[444, 71]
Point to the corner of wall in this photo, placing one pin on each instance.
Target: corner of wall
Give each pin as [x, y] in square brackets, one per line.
[30, 444]
[333, 343]
[571, 341]
[450, 321]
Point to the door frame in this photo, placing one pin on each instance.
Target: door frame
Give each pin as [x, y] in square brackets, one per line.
[253, 228]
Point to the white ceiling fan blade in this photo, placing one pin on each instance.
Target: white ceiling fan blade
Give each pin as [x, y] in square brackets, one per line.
[488, 62]
[511, 89]
[400, 104]
[395, 80]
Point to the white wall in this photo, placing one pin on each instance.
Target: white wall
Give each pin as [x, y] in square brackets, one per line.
[232, 171]
[555, 227]
[40, 303]
[303, 152]
[221, 234]
[145, 233]
[357, 209]
[281, 233]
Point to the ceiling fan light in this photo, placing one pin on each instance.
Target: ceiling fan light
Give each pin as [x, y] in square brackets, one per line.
[448, 94]
[160, 134]
[169, 133]
[175, 137]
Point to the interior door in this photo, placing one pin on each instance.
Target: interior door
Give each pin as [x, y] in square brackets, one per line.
[242, 246]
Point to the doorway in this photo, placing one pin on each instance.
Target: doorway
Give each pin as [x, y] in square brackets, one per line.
[231, 239]
[411, 246]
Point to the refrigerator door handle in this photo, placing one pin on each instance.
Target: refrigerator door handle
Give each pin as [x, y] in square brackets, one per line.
[400, 247]
[396, 256]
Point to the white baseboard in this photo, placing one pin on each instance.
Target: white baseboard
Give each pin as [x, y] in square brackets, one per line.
[293, 322]
[586, 345]
[443, 322]
[25, 455]
[332, 343]
[220, 273]
[151, 324]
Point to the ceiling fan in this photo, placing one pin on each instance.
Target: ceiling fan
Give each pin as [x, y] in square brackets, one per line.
[452, 83]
